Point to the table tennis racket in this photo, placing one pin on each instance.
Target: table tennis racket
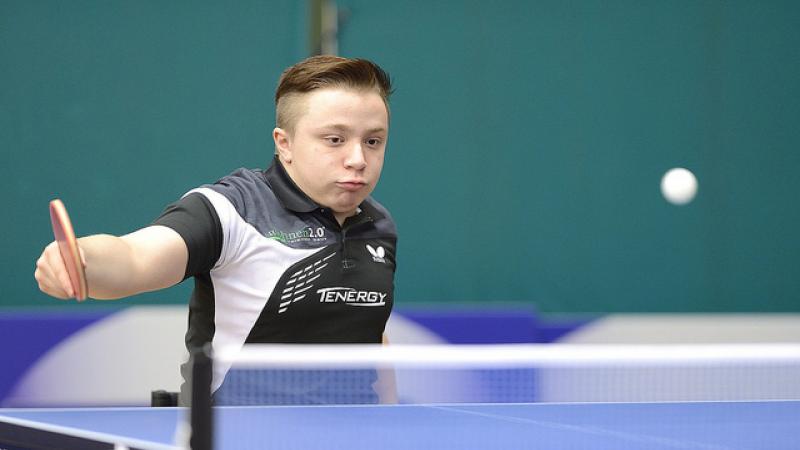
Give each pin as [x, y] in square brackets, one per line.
[68, 245]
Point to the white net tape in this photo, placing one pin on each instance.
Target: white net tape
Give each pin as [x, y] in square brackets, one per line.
[344, 374]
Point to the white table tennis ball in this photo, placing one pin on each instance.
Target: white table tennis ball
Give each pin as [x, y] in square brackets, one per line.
[679, 186]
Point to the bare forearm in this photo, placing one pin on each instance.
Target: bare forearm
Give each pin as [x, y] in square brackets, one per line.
[146, 260]
[109, 265]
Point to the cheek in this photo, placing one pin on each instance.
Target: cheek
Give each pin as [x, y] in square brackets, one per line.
[375, 156]
[377, 162]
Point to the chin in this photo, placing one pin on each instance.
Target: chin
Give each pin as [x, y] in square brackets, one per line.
[349, 203]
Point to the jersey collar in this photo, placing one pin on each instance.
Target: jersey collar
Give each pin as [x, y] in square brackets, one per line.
[293, 198]
[289, 194]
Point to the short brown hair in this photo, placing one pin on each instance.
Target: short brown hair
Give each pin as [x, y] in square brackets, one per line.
[327, 71]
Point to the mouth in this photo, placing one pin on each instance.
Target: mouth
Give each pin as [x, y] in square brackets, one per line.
[351, 185]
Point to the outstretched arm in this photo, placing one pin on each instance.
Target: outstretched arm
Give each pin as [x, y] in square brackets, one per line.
[146, 260]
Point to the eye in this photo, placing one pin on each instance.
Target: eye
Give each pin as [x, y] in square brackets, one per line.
[373, 142]
[334, 140]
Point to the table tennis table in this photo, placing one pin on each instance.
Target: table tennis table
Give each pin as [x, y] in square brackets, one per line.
[771, 425]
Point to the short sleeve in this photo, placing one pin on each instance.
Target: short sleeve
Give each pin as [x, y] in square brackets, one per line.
[196, 221]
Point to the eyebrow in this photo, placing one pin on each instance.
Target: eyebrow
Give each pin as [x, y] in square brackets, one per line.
[345, 128]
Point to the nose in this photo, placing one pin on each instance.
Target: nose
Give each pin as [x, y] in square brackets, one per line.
[355, 158]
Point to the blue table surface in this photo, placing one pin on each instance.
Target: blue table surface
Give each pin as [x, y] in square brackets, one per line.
[704, 425]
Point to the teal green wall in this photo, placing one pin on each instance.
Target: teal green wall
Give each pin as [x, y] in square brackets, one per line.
[143, 99]
[528, 138]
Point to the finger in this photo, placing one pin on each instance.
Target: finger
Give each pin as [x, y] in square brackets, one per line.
[63, 278]
[83, 257]
[46, 278]
[58, 270]
[45, 281]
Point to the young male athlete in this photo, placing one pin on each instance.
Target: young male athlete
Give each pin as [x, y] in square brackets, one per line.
[296, 253]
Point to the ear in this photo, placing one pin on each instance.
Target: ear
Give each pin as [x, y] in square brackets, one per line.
[283, 145]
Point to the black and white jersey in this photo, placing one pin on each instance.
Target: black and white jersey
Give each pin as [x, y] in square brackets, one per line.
[272, 266]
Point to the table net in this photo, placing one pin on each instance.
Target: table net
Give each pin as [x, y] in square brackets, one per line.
[357, 374]
[467, 374]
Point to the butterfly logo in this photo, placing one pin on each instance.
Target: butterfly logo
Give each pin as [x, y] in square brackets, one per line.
[378, 254]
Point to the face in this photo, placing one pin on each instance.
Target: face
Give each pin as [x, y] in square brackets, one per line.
[335, 154]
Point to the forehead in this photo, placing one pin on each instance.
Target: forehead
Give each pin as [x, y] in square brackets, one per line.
[359, 106]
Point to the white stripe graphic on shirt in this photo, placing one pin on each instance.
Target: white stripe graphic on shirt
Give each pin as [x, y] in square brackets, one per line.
[294, 290]
[248, 270]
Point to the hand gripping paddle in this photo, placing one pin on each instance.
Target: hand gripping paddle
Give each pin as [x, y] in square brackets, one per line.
[68, 245]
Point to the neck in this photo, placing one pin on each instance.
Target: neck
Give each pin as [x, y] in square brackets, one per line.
[341, 217]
